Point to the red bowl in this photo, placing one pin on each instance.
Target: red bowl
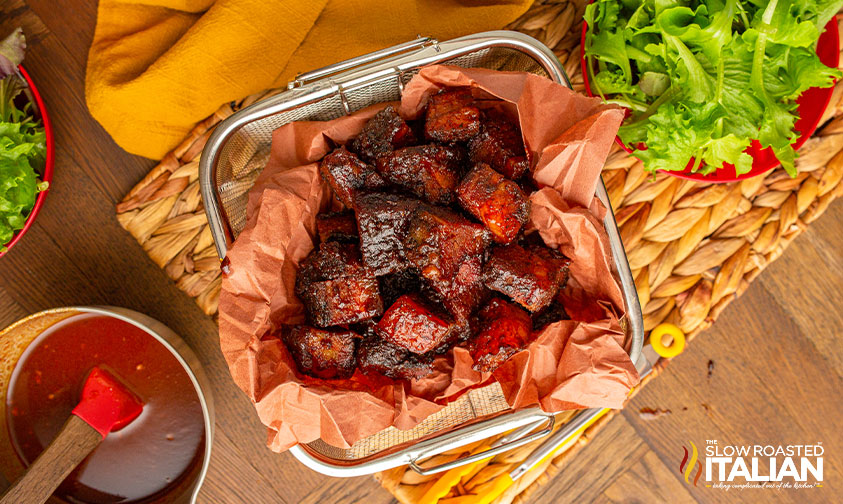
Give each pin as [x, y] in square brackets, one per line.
[48, 166]
[810, 107]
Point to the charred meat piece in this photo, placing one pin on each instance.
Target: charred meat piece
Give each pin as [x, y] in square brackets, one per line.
[411, 324]
[431, 172]
[337, 226]
[503, 329]
[499, 144]
[448, 251]
[462, 293]
[336, 288]
[379, 356]
[395, 285]
[498, 203]
[530, 277]
[329, 261]
[460, 333]
[382, 223]
[342, 301]
[451, 116]
[438, 240]
[382, 134]
[346, 173]
[324, 353]
[553, 313]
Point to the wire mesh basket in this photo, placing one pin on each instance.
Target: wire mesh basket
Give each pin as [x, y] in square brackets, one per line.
[238, 150]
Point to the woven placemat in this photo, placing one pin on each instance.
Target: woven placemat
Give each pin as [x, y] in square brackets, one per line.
[692, 247]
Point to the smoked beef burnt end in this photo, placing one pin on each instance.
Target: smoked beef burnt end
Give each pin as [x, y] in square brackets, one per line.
[324, 353]
[498, 202]
[345, 173]
[379, 356]
[395, 285]
[411, 324]
[329, 261]
[431, 172]
[336, 288]
[382, 134]
[337, 226]
[448, 251]
[381, 223]
[530, 277]
[451, 117]
[499, 144]
[503, 329]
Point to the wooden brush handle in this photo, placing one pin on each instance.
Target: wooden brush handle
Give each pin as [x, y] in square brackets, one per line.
[74, 442]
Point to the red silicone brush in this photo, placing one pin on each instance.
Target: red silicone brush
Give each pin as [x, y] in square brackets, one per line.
[106, 405]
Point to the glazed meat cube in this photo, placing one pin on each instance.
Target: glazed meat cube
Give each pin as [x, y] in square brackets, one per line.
[337, 226]
[530, 277]
[395, 285]
[345, 173]
[379, 356]
[462, 293]
[448, 251]
[382, 134]
[324, 353]
[382, 223]
[503, 329]
[438, 240]
[411, 324]
[342, 301]
[460, 332]
[498, 203]
[431, 172]
[451, 117]
[499, 144]
[329, 261]
[336, 288]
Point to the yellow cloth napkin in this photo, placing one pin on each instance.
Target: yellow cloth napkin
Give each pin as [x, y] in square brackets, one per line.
[156, 67]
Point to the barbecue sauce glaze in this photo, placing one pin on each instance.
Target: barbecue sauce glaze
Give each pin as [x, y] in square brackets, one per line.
[143, 462]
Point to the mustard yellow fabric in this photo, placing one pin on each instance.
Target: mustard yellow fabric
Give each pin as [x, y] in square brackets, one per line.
[156, 67]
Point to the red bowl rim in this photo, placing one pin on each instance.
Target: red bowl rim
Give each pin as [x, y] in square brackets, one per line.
[830, 35]
[48, 165]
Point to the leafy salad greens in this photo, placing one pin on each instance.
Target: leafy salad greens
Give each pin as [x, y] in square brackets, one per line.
[703, 78]
[22, 143]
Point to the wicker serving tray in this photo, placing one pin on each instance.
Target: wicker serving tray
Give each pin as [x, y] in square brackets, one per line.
[693, 247]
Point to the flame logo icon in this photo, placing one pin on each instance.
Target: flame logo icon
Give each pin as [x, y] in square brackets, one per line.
[689, 467]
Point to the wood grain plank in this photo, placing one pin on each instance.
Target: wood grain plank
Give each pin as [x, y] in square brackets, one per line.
[648, 480]
[593, 469]
[10, 311]
[812, 297]
[228, 470]
[769, 385]
[76, 36]
[348, 491]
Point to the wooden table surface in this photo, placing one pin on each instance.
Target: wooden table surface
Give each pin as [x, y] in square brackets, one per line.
[776, 353]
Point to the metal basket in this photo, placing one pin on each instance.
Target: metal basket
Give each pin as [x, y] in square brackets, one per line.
[238, 150]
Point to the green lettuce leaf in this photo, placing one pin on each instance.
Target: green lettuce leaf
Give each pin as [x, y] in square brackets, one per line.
[22, 148]
[704, 78]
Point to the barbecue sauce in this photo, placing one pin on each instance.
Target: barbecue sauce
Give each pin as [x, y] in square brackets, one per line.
[160, 450]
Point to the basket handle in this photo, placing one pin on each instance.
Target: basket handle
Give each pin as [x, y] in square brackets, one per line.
[321, 73]
[514, 440]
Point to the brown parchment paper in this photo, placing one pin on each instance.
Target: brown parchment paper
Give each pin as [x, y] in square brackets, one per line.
[570, 364]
